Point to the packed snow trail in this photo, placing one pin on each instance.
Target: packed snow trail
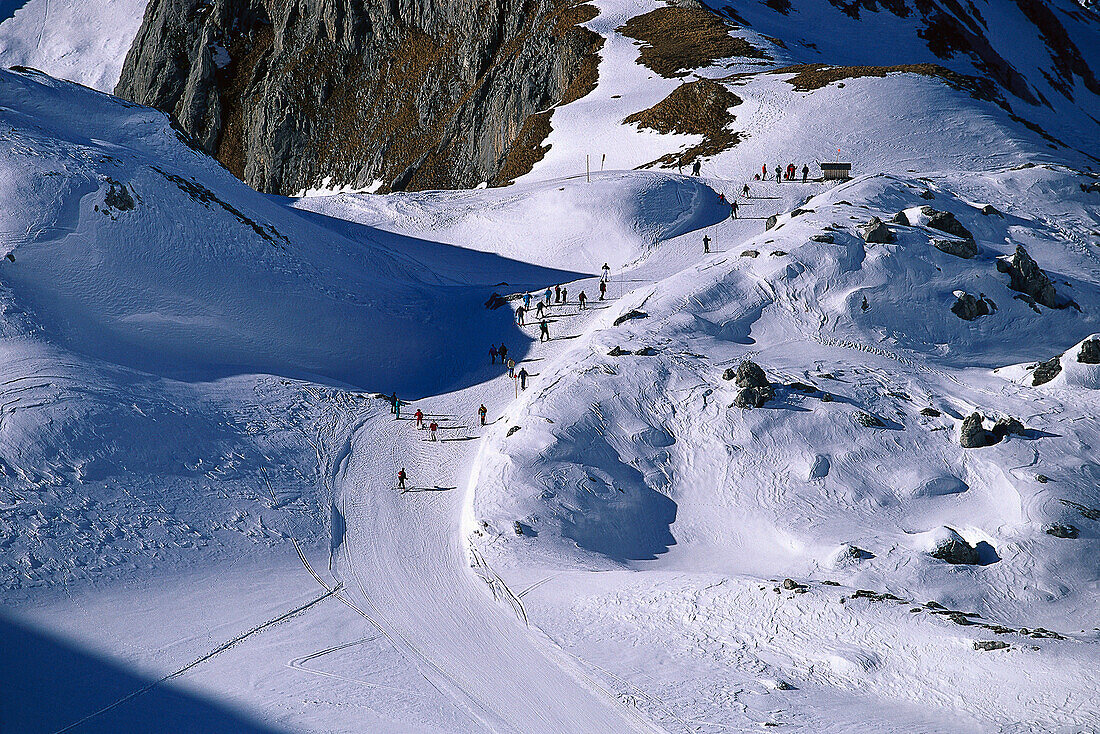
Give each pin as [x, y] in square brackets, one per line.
[404, 561]
[403, 558]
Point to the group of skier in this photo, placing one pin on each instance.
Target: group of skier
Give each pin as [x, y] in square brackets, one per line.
[557, 295]
[784, 174]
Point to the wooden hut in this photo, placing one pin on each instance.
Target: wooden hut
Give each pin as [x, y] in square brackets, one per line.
[836, 171]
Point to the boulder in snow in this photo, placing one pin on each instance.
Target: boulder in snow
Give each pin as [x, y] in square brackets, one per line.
[1046, 371]
[964, 248]
[867, 420]
[630, 316]
[826, 237]
[946, 222]
[947, 545]
[750, 253]
[748, 398]
[1026, 276]
[1059, 530]
[968, 308]
[750, 374]
[901, 219]
[990, 210]
[771, 221]
[972, 434]
[1090, 351]
[1007, 427]
[877, 232]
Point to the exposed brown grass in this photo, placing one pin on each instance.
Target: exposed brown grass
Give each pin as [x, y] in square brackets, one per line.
[696, 108]
[246, 54]
[527, 149]
[808, 77]
[676, 40]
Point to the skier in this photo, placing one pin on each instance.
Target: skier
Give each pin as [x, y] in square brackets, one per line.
[393, 403]
[397, 410]
[805, 172]
[527, 300]
[764, 172]
[432, 428]
[583, 299]
[481, 413]
[503, 352]
[401, 477]
[606, 272]
[544, 331]
[696, 167]
[511, 368]
[519, 315]
[493, 353]
[721, 198]
[603, 289]
[557, 294]
[539, 308]
[706, 244]
[790, 171]
[419, 419]
[745, 191]
[733, 208]
[522, 378]
[778, 174]
[548, 294]
[564, 295]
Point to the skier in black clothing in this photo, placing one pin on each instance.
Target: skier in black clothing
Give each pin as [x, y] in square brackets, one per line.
[603, 288]
[519, 315]
[583, 299]
[733, 208]
[778, 174]
[539, 307]
[696, 167]
[544, 331]
[481, 413]
[745, 191]
[706, 244]
[401, 477]
[805, 172]
[522, 378]
[393, 403]
[503, 352]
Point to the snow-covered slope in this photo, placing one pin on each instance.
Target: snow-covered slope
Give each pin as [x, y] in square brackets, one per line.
[198, 493]
[70, 39]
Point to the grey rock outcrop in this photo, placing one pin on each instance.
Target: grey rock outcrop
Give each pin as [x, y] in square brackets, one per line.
[868, 421]
[413, 93]
[946, 222]
[1090, 352]
[965, 249]
[630, 315]
[877, 232]
[1060, 530]
[825, 237]
[901, 219]
[968, 308]
[972, 434]
[1026, 276]
[957, 551]
[990, 210]
[755, 389]
[1007, 427]
[1046, 371]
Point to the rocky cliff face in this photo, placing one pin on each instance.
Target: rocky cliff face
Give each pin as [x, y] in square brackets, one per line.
[414, 93]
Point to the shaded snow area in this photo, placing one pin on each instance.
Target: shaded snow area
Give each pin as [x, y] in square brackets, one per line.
[84, 42]
[837, 474]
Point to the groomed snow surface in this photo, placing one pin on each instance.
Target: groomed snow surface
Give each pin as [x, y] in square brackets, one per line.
[201, 529]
